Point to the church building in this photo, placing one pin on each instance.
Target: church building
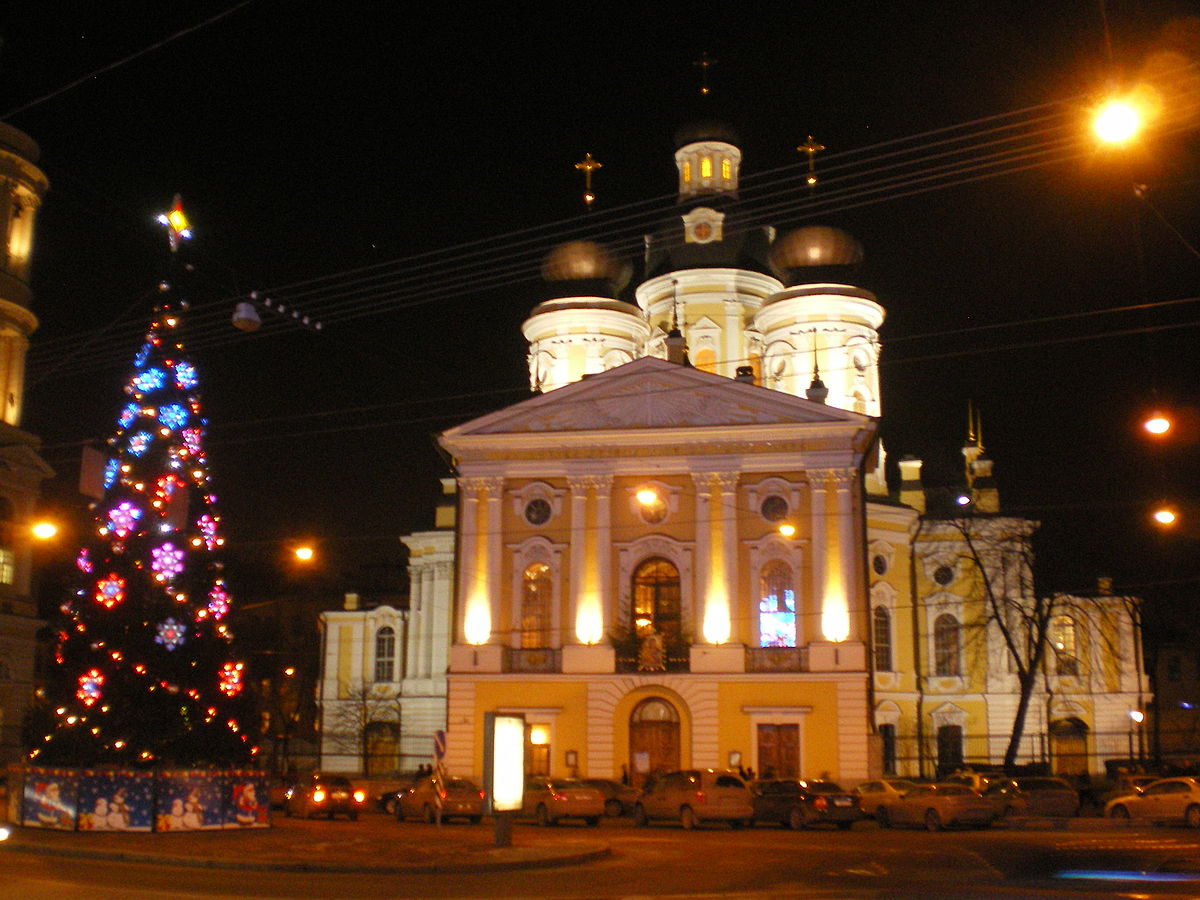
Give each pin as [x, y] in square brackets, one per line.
[681, 551]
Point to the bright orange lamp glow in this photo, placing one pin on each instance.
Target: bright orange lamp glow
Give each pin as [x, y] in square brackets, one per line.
[1117, 121]
[304, 554]
[1157, 424]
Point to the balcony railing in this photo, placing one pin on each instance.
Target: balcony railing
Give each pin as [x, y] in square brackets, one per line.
[538, 659]
[776, 659]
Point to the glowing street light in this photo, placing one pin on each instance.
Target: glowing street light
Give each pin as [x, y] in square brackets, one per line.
[304, 553]
[787, 529]
[1164, 516]
[44, 530]
[1157, 424]
[1117, 121]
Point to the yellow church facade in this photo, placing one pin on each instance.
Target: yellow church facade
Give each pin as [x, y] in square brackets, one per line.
[662, 568]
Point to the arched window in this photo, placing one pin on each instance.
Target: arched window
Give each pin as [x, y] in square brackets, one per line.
[882, 621]
[385, 654]
[1064, 638]
[706, 167]
[656, 600]
[776, 606]
[535, 607]
[946, 659]
[727, 169]
[687, 173]
[705, 360]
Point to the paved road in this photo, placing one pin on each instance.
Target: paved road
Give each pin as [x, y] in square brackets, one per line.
[654, 862]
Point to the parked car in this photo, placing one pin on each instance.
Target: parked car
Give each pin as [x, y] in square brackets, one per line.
[1165, 800]
[619, 799]
[936, 806]
[389, 801]
[550, 799]
[694, 796]
[976, 779]
[459, 799]
[874, 794]
[1012, 797]
[796, 803]
[324, 794]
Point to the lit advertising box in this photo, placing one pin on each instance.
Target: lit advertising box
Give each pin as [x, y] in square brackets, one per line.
[504, 761]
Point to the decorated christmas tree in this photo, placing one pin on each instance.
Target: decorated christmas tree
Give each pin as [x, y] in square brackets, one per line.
[144, 672]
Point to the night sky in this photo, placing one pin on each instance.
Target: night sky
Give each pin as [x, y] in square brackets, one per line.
[399, 177]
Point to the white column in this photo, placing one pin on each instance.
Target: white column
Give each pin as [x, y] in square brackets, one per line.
[494, 543]
[468, 573]
[817, 511]
[728, 482]
[579, 488]
[428, 635]
[851, 559]
[412, 642]
[703, 576]
[604, 560]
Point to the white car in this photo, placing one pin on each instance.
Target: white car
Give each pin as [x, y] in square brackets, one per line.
[1165, 800]
[872, 795]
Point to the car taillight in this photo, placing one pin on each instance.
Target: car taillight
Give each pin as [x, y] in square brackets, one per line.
[318, 796]
[701, 797]
[481, 795]
[821, 803]
[359, 796]
[559, 797]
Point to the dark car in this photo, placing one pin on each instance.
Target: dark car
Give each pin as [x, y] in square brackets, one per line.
[324, 795]
[619, 799]
[796, 803]
[1014, 797]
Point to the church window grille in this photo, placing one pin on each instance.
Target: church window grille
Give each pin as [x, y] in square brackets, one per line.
[947, 660]
[535, 607]
[385, 654]
[776, 606]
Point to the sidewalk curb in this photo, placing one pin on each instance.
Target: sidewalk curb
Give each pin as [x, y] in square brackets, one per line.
[518, 859]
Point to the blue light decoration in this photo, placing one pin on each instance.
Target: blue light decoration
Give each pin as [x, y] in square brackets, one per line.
[150, 380]
[112, 469]
[173, 415]
[128, 415]
[143, 354]
[185, 376]
[170, 633]
[139, 443]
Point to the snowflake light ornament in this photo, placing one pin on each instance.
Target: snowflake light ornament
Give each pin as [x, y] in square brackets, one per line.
[185, 376]
[128, 415]
[123, 518]
[208, 530]
[166, 561]
[230, 679]
[218, 601]
[139, 443]
[90, 683]
[112, 469]
[84, 561]
[110, 591]
[173, 415]
[150, 380]
[170, 633]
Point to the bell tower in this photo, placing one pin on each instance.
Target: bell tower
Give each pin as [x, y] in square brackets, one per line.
[22, 185]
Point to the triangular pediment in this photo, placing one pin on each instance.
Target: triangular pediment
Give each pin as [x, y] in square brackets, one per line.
[651, 393]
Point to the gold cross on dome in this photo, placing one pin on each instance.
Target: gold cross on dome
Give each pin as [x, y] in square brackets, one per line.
[587, 166]
[704, 63]
[812, 148]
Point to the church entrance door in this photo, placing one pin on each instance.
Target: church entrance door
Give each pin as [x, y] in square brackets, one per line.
[653, 740]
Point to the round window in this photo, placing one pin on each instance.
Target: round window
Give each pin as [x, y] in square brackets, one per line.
[943, 575]
[774, 508]
[879, 564]
[537, 511]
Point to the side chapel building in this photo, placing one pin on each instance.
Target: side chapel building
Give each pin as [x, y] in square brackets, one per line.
[682, 552]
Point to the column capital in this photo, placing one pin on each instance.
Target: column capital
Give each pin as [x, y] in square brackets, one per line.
[475, 485]
[597, 482]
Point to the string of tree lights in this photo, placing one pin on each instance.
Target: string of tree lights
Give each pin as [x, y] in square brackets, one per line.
[850, 179]
[144, 672]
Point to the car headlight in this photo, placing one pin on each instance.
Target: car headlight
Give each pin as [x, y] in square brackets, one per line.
[359, 796]
[318, 796]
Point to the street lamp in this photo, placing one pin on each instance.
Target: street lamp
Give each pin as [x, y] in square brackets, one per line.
[1157, 424]
[1136, 717]
[1117, 121]
[1164, 515]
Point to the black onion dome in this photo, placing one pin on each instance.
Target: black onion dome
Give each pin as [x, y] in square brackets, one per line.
[744, 244]
[706, 130]
[584, 268]
[815, 253]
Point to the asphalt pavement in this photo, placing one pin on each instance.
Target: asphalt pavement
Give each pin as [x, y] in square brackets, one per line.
[375, 844]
